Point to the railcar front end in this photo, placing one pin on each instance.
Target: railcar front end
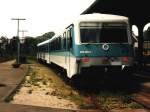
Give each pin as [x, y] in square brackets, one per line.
[104, 46]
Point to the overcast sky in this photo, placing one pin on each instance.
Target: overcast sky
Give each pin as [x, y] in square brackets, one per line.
[41, 15]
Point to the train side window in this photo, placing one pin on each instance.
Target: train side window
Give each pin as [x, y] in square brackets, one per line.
[64, 46]
[70, 38]
[45, 47]
[67, 40]
[53, 48]
[55, 44]
[71, 33]
[64, 40]
[59, 43]
[49, 47]
[52, 45]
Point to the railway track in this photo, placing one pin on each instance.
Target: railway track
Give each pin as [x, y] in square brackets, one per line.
[143, 95]
[137, 85]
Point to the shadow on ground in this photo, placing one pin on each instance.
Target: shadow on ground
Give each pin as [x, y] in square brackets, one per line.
[95, 82]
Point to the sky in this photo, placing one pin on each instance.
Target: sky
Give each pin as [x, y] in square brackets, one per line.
[41, 15]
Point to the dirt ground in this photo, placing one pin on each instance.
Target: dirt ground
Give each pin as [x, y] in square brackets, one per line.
[9, 62]
[42, 87]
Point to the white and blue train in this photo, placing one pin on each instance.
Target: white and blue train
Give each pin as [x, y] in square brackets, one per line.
[91, 42]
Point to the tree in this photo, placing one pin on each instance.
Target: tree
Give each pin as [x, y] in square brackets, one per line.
[29, 46]
[147, 34]
[3, 44]
[13, 45]
[9, 47]
[45, 36]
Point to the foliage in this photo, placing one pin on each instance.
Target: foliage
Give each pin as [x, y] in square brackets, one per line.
[9, 47]
[113, 100]
[147, 34]
[45, 36]
[29, 47]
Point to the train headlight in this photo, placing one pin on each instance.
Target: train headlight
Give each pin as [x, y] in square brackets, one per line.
[85, 60]
[125, 59]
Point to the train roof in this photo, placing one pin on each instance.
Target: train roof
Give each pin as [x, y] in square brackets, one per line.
[47, 41]
[44, 42]
[101, 17]
[98, 17]
[91, 17]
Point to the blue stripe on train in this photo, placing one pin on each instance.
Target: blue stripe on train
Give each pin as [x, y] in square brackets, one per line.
[95, 50]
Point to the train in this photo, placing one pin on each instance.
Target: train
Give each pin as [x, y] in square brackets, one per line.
[91, 42]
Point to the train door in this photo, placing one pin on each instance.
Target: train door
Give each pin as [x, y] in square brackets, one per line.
[69, 49]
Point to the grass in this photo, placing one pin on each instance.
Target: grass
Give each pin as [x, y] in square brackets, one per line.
[32, 78]
[117, 100]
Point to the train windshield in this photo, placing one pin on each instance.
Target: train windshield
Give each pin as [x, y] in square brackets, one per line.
[96, 32]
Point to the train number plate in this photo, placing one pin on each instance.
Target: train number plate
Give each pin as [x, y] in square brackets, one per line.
[116, 63]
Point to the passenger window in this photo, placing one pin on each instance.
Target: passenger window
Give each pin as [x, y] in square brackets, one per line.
[70, 38]
[64, 40]
[59, 43]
